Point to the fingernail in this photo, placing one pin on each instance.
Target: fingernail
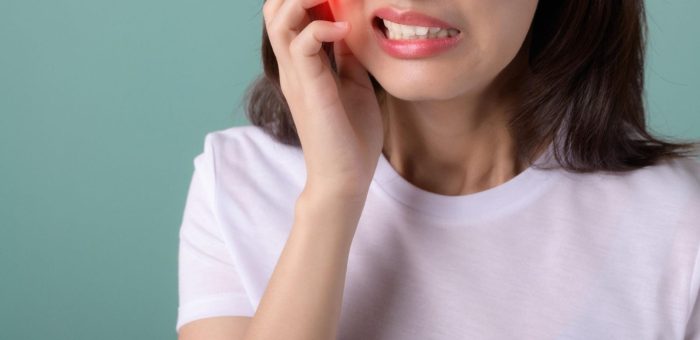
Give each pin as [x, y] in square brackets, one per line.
[341, 24]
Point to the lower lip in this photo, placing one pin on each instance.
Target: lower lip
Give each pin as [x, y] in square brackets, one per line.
[415, 48]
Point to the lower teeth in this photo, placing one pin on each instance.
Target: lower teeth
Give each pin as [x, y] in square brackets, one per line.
[388, 35]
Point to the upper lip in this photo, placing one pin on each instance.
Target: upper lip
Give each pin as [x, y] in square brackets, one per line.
[410, 17]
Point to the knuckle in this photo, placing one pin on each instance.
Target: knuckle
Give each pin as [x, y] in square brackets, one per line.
[297, 44]
[267, 12]
[314, 26]
[267, 26]
[267, 6]
[317, 31]
[307, 37]
[275, 27]
[272, 26]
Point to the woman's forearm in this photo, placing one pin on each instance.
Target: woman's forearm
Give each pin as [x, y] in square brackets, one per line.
[303, 298]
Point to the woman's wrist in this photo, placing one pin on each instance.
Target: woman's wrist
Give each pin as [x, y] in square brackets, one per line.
[329, 209]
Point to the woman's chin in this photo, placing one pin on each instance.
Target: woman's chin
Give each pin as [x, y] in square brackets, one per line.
[410, 92]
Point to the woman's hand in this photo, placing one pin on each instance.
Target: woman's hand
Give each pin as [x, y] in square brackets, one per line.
[337, 116]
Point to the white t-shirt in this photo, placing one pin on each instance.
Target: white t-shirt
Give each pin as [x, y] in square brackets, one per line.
[545, 255]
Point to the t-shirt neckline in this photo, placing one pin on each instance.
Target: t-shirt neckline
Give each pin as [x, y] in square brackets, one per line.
[490, 202]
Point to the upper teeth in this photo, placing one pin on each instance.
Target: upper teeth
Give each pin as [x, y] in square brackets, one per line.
[399, 31]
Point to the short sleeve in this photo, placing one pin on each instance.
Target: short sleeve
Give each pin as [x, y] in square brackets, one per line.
[692, 329]
[208, 283]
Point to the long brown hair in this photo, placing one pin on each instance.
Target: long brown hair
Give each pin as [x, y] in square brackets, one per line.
[583, 90]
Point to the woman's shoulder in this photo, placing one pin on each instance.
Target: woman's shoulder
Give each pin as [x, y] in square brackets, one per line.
[671, 185]
[666, 175]
[246, 137]
[249, 143]
[680, 174]
[248, 153]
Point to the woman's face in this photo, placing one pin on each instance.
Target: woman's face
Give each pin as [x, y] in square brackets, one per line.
[491, 33]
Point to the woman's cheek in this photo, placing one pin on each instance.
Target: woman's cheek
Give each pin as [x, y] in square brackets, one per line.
[338, 7]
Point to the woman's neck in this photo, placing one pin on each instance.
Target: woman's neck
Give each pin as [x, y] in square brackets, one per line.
[451, 147]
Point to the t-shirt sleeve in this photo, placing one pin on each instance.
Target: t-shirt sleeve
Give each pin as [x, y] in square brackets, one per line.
[692, 330]
[208, 283]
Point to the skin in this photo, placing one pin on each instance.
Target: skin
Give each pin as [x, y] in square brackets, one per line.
[457, 98]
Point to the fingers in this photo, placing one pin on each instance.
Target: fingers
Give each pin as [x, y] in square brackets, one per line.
[305, 48]
[294, 12]
[297, 42]
[287, 16]
[270, 7]
[308, 42]
[283, 20]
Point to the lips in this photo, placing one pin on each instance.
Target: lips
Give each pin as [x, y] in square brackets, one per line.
[410, 17]
[412, 48]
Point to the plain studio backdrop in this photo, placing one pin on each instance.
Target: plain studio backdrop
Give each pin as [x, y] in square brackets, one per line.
[103, 106]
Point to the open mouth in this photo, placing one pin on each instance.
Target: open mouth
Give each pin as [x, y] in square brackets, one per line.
[396, 31]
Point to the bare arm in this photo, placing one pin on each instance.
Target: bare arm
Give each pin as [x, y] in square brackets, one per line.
[303, 297]
[304, 294]
[340, 127]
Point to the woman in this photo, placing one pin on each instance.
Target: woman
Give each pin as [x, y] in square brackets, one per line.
[470, 170]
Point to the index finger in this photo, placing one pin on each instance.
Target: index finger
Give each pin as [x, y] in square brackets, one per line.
[269, 9]
[292, 13]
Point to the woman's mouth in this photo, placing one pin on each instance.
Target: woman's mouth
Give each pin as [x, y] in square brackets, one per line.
[396, 31]
[411, 41]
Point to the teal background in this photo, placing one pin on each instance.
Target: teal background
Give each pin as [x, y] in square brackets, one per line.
[103, 106]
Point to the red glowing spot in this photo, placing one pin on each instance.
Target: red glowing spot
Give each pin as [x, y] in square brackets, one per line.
[322, 12]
